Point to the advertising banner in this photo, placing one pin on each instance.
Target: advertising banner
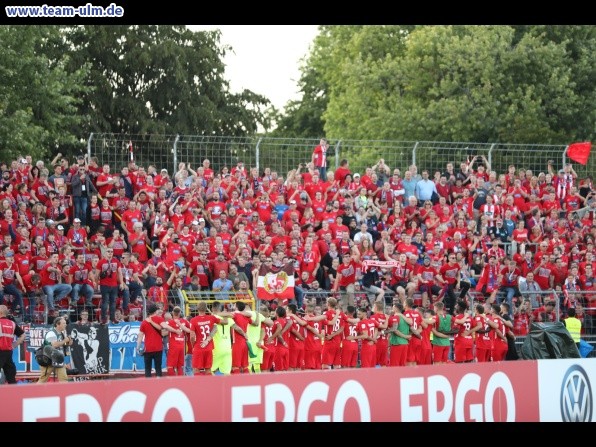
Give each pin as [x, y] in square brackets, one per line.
[504, 391]
[566, 392]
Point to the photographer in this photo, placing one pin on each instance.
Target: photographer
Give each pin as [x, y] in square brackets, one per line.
[57, 339]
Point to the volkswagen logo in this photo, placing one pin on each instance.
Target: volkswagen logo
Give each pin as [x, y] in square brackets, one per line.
[576, 396]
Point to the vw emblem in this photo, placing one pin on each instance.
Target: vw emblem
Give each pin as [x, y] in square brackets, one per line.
[576, 396]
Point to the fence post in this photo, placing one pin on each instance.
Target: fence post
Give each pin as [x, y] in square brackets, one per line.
[490, 155]
[337, 146]
[257, 152]
[414, 153]
[564, 158]
[89, 145]
[175, 153]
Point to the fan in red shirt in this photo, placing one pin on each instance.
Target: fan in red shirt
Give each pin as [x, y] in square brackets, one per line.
[522, 318]
[545, 313]
[347, 273]
[449, 277]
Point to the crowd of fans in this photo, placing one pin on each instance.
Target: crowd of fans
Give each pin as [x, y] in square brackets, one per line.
[74, 231]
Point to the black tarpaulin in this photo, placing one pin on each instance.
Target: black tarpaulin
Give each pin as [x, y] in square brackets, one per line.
[549, 341]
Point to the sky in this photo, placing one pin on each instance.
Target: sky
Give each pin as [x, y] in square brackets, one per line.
[265, 58]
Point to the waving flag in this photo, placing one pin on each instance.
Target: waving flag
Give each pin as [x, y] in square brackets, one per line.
[580, 152]
[276, 282]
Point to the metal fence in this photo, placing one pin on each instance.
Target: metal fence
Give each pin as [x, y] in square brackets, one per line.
[284, 154]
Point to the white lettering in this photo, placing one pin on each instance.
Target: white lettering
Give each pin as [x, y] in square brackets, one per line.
[298, 409]
[170, 399]
[351, 390]
[79, 404]
[242, 396]
[40, 408]
[468, 382]
[130, 401]
[499, 380]
[313, 392]
[279, 393]
[409, 387]
[439, 385]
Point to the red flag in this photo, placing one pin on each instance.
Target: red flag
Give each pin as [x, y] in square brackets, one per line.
[132, 157]
[580, 152]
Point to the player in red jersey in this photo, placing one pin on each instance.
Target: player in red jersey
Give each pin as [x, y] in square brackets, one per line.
[349, 345]
[417, 325]
[367, 332]
[463, 341]
[297, 338]
[281, 339]
[334, 322]
[428, 318]
[483, 340]
[203, 328]
[314, 335]
[382, 351]
[498, 335]
[176, 343]
[240, 340]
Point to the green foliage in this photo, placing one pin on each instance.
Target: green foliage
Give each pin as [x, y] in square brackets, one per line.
[39, 97]
[524, 84]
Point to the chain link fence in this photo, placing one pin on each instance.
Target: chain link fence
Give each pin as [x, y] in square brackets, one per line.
[285, 154]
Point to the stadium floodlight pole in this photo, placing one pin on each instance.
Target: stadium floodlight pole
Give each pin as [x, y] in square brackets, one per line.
[257, 152]
[414, 153]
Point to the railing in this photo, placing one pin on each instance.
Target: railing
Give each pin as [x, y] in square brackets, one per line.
[190, 299]
[284, 154]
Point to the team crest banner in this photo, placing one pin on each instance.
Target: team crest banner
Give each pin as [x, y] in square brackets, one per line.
[276, 283]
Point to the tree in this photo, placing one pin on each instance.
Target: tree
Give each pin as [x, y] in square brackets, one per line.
[39, 97]
[498, 84]
[161, 79]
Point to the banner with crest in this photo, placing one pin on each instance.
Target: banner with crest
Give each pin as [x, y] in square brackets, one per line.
[276, 282]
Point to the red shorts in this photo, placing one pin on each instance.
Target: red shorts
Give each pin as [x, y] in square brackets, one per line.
[349, 354]
[463, 351]
[282, 357]
[398, 355]
[331, 354]
[425, 357]
[202, 358]
[175, 357]
[482, 354]
[268, 356]
[499, 352]
[312, 359]
[240, 353]
[296, 357]
[368, 355]
[382, 352]
[440, 354]
[413, 352]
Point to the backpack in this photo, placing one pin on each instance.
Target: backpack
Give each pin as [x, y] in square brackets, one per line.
[41, 355]
[42, 358]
